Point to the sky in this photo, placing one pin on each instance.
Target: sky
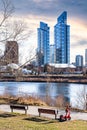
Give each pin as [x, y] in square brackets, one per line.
[34, 11]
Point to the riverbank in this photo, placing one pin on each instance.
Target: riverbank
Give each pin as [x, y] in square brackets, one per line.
[46, 78]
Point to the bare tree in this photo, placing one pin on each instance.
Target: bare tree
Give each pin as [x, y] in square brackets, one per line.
[17, 31]
[28, 61]
[12, 30]
[82, 98]
[6, 12]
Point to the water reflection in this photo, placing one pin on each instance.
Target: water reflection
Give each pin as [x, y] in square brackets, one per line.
[70, 91]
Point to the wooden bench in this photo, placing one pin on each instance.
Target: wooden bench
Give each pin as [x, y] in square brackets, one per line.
[19, 107]
[48, 111]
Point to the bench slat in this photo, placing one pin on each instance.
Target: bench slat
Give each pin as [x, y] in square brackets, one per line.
[47, 111]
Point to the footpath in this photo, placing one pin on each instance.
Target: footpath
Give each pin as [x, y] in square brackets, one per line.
[33, 110]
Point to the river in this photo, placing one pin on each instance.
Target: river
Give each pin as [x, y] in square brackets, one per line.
[71, 92]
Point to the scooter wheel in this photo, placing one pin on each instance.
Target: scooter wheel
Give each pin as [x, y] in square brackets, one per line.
[61, 118]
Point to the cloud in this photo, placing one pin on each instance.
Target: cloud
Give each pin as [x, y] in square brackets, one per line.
[83, 42]
[34, 11]
[52, 7]
[77, 31]
[80, 43]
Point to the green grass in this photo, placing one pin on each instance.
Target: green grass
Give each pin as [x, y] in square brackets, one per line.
[16, 121]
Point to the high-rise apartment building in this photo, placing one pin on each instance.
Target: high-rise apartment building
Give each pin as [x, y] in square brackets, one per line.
[52, 52]
[62, 39]
[11, 52]
[79, 61]
[85, 57]
[43, 44]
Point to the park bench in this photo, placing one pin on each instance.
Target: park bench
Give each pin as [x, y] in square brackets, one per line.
[19, 107]
[48, 111]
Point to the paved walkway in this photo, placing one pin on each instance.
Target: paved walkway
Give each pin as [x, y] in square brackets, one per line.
[33, 110]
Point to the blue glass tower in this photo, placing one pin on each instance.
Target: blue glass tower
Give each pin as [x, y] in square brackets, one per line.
[79, 61]
[43, 44]
[62, 39]
[52, 50]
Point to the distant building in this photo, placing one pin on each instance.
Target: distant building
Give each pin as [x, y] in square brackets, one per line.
[11, 52]
[52, 51]
[61, 68]
[79, 61]
[62, 39]
[85, 57]
[43, 44]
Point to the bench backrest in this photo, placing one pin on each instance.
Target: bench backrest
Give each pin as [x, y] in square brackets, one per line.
[22, 107]
[49, 111]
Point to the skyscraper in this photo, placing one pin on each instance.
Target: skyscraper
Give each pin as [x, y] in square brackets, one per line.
[85, 57]
[43, 44]
[62, 39]
[79, 61]
[52, 51]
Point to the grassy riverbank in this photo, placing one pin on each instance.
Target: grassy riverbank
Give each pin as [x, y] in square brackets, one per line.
[28, 100]
[14, 121]
[34, 101]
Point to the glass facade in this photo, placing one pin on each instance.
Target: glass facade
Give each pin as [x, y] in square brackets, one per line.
[43, 44]
[79, 61]
[52, 50]
[85, 57]
[62, 39]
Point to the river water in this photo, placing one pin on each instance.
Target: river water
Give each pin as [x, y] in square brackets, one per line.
[74, 93]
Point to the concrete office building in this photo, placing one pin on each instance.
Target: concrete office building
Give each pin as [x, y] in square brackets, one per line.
[11, 52]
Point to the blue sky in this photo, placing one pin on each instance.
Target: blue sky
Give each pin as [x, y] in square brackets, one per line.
[34, 11]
